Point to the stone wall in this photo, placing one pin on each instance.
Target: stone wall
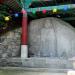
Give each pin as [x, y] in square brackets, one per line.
[10, 43]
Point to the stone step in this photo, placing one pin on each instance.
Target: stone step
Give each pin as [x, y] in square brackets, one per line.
[47, 63]
[52, 63]
[32, 71]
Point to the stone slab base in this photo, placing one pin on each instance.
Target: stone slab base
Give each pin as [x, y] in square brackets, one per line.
[50, 63]
[30, 71]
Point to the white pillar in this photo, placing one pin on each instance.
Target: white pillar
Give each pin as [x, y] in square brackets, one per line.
[24, 51]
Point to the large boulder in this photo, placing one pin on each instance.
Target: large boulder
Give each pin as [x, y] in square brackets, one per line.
[51, 37]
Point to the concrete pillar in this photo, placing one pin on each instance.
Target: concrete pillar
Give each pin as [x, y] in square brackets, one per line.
[24, 39]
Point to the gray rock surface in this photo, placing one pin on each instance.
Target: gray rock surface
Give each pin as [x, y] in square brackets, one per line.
[48, 37]
[51, 37]
[10, 44]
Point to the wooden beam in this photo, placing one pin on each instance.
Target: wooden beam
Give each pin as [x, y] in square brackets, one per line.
[28, 2]
[49, 8]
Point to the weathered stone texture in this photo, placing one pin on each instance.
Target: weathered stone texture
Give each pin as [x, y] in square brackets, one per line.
[48, 37]
[51, 37]
[10, 43]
